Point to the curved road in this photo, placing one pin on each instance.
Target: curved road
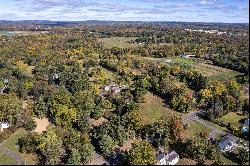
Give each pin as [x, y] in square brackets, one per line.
[12, 154]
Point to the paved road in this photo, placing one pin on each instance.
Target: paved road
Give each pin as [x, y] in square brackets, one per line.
[12, 154]
[190, 117]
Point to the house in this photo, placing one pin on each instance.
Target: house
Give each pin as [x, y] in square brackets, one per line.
[5, 81]
[227, 144]
[4, 125]
[187, 56]
[171, 158]
[3, 90]
[115, 89]
[106, 88]
[168, 61]
[101, 94]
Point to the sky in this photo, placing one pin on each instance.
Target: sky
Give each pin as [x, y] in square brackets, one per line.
[228, 11]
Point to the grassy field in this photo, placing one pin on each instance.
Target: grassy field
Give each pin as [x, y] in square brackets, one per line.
[11, 143]
[154, 109]
[183, 60]
[120, 42]
[6, 160]
[11, 33]
[194, 129]
[211, 71]
[233, 118]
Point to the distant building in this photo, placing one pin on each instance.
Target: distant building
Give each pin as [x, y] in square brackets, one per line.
[187, 56]
[4, 125]
[115, 89]
[168, 61]
[171, 158]
[106, 88]
[5, 81]
[227, 144]
[3, 90]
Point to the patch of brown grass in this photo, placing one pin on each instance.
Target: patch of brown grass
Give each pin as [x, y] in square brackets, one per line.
[41, 125]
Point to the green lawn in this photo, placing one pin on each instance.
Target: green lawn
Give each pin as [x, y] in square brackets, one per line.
[153, 109]
[6, 160]
[120, 42]
[233, 118]
[11, 143]
[195, 128]
[229, 75]
[186, 61]
[211, 71]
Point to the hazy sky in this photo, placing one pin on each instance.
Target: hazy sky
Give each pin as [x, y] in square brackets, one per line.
[234, 11]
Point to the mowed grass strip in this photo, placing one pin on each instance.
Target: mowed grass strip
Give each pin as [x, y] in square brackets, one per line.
[12, 144]
[6, 160]
[154, 108]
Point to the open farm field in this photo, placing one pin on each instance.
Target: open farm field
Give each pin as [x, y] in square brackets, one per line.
[121, 42]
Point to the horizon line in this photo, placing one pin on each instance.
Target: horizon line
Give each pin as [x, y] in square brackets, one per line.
[125, 21]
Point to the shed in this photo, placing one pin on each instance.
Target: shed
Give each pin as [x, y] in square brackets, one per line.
[4, 125]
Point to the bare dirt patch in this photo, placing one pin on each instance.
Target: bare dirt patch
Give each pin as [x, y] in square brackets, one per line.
[42, 124]
[98, 122]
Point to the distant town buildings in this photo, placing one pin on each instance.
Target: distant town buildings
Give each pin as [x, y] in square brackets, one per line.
[206, 31]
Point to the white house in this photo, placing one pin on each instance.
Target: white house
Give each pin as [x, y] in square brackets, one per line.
[106, 88]
[227, 144]
[168, 61]
[4, 125]
[187, 56]
[171, 158]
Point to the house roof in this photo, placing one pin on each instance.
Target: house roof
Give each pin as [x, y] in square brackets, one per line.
[160, 156]
[228, 141]
[171, 156]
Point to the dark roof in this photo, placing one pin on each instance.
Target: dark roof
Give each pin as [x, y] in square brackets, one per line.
[160, 156]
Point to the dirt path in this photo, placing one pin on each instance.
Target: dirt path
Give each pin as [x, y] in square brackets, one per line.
[12, 154]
